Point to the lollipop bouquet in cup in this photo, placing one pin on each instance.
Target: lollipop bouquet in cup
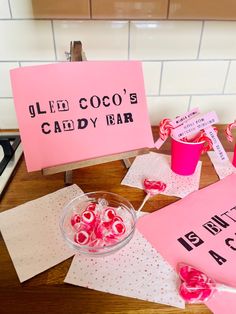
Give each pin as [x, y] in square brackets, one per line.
[191, 135]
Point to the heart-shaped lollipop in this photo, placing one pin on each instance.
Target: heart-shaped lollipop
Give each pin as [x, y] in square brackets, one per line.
[196, 286]
[165, 128]
[152, 188]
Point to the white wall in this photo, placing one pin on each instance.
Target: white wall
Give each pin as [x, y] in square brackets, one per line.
[186, 63]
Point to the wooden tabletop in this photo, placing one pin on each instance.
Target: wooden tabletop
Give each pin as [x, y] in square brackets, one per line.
[46, 293]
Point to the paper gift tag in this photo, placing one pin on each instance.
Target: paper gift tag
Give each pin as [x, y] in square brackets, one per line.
[32, 234]
[223, 169]
[136, 271]
[157, 167]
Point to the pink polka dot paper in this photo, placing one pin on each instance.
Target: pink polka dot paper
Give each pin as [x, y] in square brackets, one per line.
[136, 271]
[156, 166]
[32, 234]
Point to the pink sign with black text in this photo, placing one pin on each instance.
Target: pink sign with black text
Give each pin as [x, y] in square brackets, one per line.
[74, 111]
[200, 230]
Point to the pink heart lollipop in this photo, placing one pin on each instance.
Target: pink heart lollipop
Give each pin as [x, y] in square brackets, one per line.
[196, 286]
[154, 187]
[165, 128]
[151, 188]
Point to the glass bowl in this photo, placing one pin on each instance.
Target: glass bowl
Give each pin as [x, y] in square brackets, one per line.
[107, 232]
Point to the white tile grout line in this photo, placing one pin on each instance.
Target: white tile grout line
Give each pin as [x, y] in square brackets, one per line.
[187, 95]
[9, 5]
[54, 41]
[176, 95]
[226, 77]
[187, 60]
[189, 103]
[200, 41]
[159, 89]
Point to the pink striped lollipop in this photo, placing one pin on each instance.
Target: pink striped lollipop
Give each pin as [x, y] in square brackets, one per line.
[165, 128]
[196, 286]
[228, 131]
[152, 188]
[202, 137]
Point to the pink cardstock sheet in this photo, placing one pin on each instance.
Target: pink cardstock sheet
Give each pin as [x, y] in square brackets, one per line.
[32, 234]
[225, 168]
[75, 111]
[156, 166]
[200, 230]
[136, 271]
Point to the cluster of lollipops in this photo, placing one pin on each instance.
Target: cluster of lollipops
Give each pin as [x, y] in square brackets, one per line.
[166, 128]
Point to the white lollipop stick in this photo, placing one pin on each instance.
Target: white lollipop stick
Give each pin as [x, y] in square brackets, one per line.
[225, 288]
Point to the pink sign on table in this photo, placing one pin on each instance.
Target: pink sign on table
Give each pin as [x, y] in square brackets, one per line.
[200, 230]
[75, 111]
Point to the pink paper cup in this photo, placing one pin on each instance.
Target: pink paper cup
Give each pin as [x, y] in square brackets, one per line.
[234, 158]
[185, 156]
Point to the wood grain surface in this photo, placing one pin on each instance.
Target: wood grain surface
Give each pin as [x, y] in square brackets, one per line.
[46, 293]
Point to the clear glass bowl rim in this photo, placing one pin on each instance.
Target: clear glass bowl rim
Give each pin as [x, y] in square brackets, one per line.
[100, 250]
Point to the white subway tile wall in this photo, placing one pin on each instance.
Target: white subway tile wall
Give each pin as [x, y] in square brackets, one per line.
[7, 114]
[152, 76]
[230, 86]
[23, 40]
[224, 105]
[218, 40]
[103, 40]
[4, 9]
[185, 63]
[5, 82]
[164, 106]
[193, 77]
[22, 9]
[164, 40]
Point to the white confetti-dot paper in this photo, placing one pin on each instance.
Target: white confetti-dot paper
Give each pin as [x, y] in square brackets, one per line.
[223, 169]
[32, 234]
[156, 166]
[137, 271]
